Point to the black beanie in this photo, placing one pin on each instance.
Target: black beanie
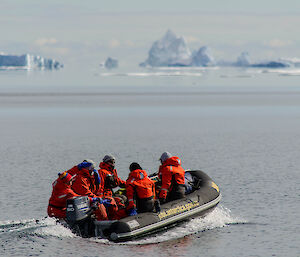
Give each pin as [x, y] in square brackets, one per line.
[134, 166]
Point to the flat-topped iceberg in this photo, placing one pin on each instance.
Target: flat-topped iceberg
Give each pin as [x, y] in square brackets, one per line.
[28, 62]
[244, 61]
[270, 64]
[293, 62]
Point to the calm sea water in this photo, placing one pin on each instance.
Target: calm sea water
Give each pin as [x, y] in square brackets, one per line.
[244, 131]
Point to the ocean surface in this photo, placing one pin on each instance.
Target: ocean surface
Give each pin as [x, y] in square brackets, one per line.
[242, 127]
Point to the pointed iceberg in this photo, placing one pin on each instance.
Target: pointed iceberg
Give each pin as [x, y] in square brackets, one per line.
[243, 60]
[170, 50]
[203, 57]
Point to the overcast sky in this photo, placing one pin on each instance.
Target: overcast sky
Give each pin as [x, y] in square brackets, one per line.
[89, 31]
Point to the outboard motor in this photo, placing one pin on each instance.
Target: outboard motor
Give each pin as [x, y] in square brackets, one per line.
[78, 209]
[79, 215]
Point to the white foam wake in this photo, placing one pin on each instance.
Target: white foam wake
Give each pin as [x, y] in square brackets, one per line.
[218, 218]
[41, 227]
[52, 228]
[15, 222]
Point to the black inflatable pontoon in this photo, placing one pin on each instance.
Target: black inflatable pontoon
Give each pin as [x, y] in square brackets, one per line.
[204, 195]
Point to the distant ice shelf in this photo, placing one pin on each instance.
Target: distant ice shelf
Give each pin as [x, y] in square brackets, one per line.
[28, 62]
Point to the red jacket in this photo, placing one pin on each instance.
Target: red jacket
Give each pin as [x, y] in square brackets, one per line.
[170, 171]
[57, 202]
[138, 185]
[73, 171]
[105, 171]
[84, 184]
[96, 180]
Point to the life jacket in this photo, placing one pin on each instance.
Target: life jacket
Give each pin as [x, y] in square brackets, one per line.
[109, 179]
[57, 202]
[73, 171]
[139, 186]
[84, 184]
[171, 174]
[97, 180]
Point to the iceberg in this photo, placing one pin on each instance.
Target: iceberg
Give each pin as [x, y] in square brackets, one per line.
[244, 61]
[203, 57]
[172, 51]
[293, 62]
[169, 51]
[271, 64]
[111, 63]
[27, 62]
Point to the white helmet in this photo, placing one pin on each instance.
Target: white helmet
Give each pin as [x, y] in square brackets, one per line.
[93, 164]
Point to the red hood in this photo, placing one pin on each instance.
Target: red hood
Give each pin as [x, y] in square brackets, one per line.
[59, 184]
[105, 166]
[137, 174]
[84, 172]
[173, 161]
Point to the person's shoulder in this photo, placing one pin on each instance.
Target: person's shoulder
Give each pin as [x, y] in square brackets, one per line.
[165, 168]
[80, 177]
[104, 170]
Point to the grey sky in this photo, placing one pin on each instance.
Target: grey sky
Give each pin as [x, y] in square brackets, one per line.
[212, 6]
[89, 31]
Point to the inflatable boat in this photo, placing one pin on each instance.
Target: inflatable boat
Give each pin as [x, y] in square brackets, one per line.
[202, 196]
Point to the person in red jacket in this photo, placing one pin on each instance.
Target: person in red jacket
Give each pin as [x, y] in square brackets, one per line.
[85, 183]
[90, 165]
[140, 190]
[60, 193]
[109, 176]
[172, 178]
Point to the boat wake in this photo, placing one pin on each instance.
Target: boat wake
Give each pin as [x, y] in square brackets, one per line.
[48, 227]
[218, 218]
[42, 227]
